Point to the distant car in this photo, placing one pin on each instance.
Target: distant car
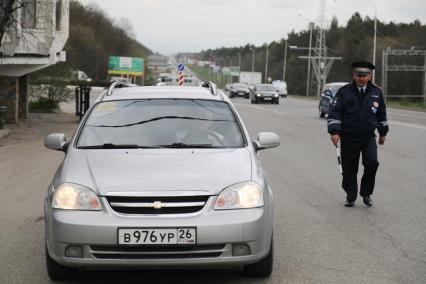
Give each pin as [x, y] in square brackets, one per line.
[120, 79]
[281, 87]
[239, 90]
[265, 93]
[81, 76]
[228, 87]
[327, 96]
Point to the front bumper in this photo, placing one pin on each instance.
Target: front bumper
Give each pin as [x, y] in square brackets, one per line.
[240, 93]
[267, 98]
[217, 232]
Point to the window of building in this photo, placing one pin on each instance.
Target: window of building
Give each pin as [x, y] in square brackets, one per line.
[29, 14]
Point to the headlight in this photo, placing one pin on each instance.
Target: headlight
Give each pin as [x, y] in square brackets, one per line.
[239, 196]
[71, 196]
[276, 95]
[259, 95]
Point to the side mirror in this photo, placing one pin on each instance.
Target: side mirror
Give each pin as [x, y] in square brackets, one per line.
[266, 140]
[56, 141]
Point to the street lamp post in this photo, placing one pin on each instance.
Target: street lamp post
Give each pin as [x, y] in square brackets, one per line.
[252, 60]
[285, 60]
[266, 64]
[375, 37]
[308, 80]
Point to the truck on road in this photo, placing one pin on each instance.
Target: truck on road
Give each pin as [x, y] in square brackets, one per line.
[250, 78]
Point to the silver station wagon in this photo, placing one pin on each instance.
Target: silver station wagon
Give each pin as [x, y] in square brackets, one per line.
[159, 177]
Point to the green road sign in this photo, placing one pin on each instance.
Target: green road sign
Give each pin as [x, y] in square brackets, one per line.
[125, 66]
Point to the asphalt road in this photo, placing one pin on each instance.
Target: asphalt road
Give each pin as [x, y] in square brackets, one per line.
[316, 239]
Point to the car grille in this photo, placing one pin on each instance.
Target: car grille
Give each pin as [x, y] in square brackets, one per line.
[157, 205]
[157, 252]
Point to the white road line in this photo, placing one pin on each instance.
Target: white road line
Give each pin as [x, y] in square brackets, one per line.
[405, 124]
[391, 122]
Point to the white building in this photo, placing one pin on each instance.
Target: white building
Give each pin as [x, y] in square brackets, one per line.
[35, 41]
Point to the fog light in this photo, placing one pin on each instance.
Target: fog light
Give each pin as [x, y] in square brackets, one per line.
[74, 251]
[240, 250]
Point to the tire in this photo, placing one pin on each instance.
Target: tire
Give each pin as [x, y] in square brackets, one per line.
[57, 271]
[277, 101]
[321, 113]
[247, 96]
[262, 268]
[255, 100]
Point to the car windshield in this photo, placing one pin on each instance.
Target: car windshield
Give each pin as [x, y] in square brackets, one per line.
[241, 86]
[174, 123]
[335, 88]
[266, 88]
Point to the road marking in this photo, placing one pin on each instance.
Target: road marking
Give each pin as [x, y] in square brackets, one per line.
[421, 127]
[394, 122]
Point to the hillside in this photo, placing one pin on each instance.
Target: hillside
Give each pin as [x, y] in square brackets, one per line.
[93, 38]
[353, 41]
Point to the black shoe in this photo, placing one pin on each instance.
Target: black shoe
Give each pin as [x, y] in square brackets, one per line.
[349, 203]
[367, 200]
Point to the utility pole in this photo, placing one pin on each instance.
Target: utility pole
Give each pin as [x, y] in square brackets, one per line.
[285, 59]
[374, 40]
[266, 64]
[308, 78]
[252, 59]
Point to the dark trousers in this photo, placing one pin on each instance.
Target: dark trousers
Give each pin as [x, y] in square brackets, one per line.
[350, 160]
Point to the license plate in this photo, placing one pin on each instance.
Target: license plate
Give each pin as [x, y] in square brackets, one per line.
[267, 98]
[241, 94]
[157, 236]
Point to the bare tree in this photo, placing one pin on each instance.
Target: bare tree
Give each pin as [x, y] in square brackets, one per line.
[8, 14]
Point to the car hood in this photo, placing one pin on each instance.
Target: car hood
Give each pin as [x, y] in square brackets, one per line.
[137, 171]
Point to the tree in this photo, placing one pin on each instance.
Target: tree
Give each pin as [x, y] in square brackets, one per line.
[8, 15]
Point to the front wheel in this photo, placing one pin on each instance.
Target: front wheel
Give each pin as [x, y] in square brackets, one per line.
[321, 113]
[57, 271]
[262, 268]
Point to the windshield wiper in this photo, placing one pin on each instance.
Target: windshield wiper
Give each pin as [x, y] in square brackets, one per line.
[183, 145]
[117, 146]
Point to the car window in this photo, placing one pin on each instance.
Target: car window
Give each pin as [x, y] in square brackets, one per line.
[336, 88]
[161, 122]
[266, 88]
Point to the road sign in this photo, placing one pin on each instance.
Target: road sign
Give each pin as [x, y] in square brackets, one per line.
[125, 66]
[181, 67]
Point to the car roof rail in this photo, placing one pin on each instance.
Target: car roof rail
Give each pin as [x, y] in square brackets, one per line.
[116, 85]
[211, 86]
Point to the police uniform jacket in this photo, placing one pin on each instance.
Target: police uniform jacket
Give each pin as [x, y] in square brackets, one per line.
[355, 116]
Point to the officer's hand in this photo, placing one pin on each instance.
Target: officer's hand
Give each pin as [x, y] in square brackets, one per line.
[335, 139]
[382, 140]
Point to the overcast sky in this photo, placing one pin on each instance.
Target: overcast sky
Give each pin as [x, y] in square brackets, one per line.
[171, 26]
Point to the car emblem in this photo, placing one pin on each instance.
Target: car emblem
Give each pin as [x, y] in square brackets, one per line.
[159, 205]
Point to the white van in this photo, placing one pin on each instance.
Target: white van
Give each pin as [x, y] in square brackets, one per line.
[281, 87]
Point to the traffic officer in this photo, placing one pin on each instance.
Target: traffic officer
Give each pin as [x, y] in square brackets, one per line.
[356, 111]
